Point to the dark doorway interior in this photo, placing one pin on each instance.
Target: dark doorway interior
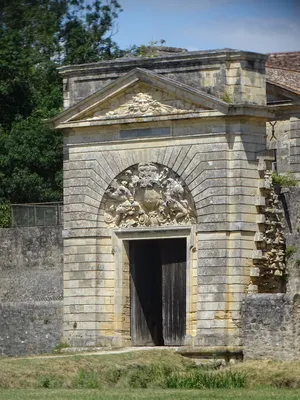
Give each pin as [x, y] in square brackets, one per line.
[158, 292]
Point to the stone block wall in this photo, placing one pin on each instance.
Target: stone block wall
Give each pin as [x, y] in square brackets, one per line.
[271, 322]
[286, 143]
[31, 290]
[281, 143]
[31, 280]
[271, 327]
[218, 164]
[290, 199]
[31, 264]
[28, 328]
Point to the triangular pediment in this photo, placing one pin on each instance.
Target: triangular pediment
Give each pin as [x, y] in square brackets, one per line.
[140, 93]
[139, 100]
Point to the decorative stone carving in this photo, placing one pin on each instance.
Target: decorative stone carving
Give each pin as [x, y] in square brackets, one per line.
[271, 241]
[147, 194]
[143, 104]
[273, 245]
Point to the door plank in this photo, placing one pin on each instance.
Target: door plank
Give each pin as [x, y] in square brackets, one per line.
[146, 298]
[173, 256]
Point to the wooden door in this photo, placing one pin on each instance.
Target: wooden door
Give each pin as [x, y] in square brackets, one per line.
[146, 295]
[158, 292]
[173, 260]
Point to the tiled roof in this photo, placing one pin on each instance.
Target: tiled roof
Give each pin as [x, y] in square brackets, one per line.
[284, 69]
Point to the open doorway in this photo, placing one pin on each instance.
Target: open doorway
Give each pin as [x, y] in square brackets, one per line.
[158, 292]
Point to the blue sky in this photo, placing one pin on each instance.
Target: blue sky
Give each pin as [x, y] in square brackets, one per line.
[256, 25]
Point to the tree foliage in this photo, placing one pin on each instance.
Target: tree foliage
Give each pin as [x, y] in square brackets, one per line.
[37, 36]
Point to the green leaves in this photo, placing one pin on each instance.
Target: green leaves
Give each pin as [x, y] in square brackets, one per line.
[5, 215]
[37, 36]
[32, 163]
[87, 32]
[285, 180]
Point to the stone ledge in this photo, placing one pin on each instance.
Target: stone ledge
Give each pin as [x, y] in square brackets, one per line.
[225, 352]
[113, 350]
[168, 62]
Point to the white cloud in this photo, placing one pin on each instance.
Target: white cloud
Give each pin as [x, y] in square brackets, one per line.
[261, 35]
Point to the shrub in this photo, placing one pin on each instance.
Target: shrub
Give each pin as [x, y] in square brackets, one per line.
[200, 379]
[86, 380]
[113, 375]
[5, 215]
[60, 345]
[285, 180]
[226, 97]
[289, 251]
[50, 381]
[143, 376]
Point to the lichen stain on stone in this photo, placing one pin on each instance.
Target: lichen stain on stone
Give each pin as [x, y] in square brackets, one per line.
[223, 315]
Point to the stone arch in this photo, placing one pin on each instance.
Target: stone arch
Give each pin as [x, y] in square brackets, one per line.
[146, 194]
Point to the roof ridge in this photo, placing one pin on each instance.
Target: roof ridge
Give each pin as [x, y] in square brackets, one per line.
[284, 52]
[283, 68]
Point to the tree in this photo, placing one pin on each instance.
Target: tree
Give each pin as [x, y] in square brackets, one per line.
[37, 36]
[87, 33]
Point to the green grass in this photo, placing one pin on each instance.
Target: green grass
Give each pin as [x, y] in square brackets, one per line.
[137, 369]
[147, 394]
[156, 374]
[204, 379]
[155, 369]
[284, 374]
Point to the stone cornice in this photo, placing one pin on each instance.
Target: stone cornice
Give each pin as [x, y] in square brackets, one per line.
[233, 112]
[126, 64]
[284, 111]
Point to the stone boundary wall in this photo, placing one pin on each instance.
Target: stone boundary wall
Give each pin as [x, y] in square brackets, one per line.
[28, 328]
[271, 327]
[271, 322]
[31, 264]
[290, 200]
[31, 290]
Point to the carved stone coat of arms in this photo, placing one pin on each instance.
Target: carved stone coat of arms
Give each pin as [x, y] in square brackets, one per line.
[147, 194]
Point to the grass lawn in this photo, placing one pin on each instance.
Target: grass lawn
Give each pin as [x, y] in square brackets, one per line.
[149, 375]
[149, 394]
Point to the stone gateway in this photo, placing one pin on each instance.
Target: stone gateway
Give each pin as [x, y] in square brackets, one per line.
[171, 220]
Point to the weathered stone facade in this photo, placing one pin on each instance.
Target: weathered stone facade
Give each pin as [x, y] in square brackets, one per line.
[157, 153]
[283, 91]
[271, 321]
[269, 269]
[176, 149]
